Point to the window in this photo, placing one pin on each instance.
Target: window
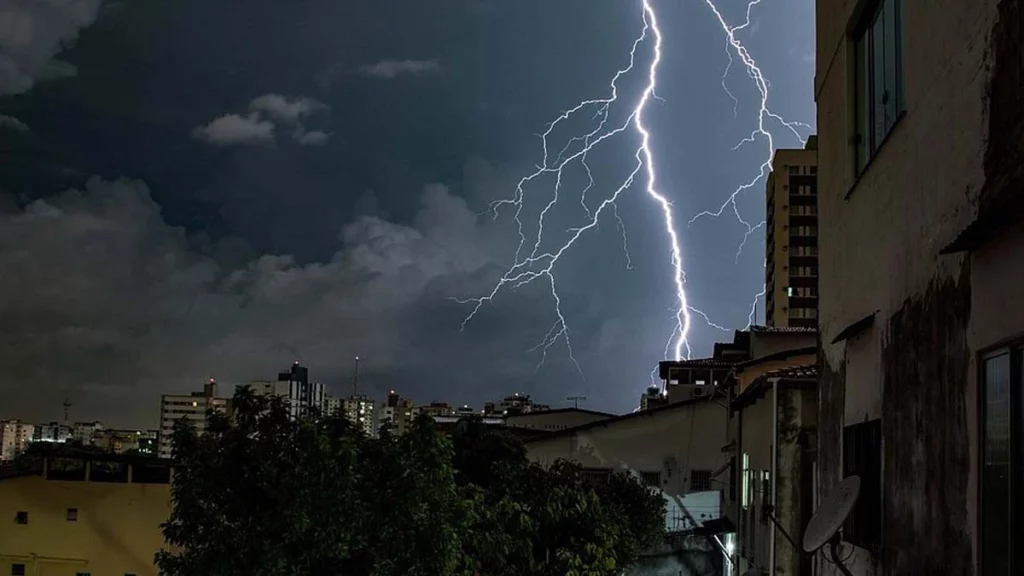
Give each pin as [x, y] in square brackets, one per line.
[651, 479]
[746, 480]
[1002, 406]
[72, 515]
[21, 518]
[878, 77]
[17, 570]
[862, 456]
[82, 574]
[700, 480]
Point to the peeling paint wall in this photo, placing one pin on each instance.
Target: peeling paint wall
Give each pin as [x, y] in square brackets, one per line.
[955, 156]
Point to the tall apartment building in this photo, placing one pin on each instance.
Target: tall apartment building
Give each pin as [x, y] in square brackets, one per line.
[192, 407]
[54, 432]
[791, 243]
[302, 396]
[15, 437]
[397, 413]
[361, 411]
[921, 207]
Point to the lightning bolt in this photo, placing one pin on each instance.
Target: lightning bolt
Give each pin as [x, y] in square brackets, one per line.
[764, 114]
[761, 131]
[533, 263]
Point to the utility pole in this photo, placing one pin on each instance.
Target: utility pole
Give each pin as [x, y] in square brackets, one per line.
[67, 406]
[355, 380]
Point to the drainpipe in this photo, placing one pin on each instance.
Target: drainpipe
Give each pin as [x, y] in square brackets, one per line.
[775, 465]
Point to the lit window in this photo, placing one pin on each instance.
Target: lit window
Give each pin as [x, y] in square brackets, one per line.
[789, 291]
[878, 77]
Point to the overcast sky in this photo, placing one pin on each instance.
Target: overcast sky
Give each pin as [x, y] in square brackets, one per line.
[192, 190]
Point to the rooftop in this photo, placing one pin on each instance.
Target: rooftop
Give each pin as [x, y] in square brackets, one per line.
[782, 329]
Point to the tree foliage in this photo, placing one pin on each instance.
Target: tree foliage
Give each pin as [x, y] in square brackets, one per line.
[264, 495]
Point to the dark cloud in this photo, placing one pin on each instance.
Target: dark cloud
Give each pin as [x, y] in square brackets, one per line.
[102, 296]
[388, 69]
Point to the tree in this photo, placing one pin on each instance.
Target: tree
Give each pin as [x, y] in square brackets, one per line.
[265, 495]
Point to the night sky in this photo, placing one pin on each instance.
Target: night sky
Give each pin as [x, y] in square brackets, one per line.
[191, 189]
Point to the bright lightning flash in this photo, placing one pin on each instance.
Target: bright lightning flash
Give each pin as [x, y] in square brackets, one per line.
[534, 264]
[764, 114]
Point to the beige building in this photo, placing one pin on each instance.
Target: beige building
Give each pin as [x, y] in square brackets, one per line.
[396, 413]
[15, 437]
[921, 207]
[791, 238]
[676, 448]
[192, 407]
[554, 420]
[72, 516]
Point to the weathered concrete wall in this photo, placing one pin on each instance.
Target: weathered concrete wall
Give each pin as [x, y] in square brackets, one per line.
[674, 441]
[952, 153]
[793, 501]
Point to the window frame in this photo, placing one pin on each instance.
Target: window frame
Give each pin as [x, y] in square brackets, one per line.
[863, 35]
[863, 527]
[1014, 350]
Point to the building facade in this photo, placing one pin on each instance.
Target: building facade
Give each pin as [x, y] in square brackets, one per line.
[676, 449]
[72, 516]
[302, 397]
[921, 204]
[15, 437]
[361, 411]
[791, 246]
[54, 432]
[396, 413]
[192, 407]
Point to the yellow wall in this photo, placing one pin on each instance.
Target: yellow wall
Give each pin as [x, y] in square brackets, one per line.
[117, 531]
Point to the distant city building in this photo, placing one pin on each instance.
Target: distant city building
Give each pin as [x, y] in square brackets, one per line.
[302, 396]
[332, 405]
[360, 411]
[81, 432]
[652, 398]
[123, 441]
[436, 409]
[193, 407]
[396, 413]
[518, 404]
[791, 238]
[15, 436]
[54, 432]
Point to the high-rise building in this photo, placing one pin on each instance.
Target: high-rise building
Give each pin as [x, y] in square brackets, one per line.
[54, 432]
[396, 413]
[302, 396]
[360, 411]
[15, 436]
[193, 407]
[518, 404]
[791, 243]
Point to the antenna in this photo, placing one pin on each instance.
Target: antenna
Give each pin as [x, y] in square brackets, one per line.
[828, 519]
[576, 400]
[355, 380]
[67, 406]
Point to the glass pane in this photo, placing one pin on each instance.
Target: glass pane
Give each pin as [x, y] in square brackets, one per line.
[863, 97]
[877, 34]
[891, 71]
[995, 488]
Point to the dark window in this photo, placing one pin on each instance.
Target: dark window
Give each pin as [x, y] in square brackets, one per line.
[596, 474]
[652, 479]
[21, 518]
[700, 480]
[862, 456]
[17, 570]
[878, 77]
[82, 574]
[1002, 461]
[72, 515]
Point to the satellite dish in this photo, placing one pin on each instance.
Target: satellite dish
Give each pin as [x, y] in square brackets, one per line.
[831, 514]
